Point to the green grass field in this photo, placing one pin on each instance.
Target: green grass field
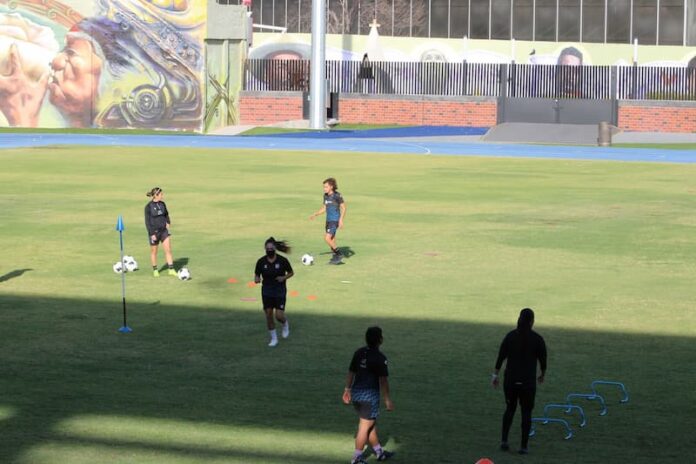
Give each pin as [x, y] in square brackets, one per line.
[446, 251]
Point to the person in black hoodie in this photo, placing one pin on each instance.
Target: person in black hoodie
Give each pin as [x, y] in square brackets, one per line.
[522, 348]
[157, 223]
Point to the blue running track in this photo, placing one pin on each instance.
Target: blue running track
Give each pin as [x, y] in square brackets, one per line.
[352, 144]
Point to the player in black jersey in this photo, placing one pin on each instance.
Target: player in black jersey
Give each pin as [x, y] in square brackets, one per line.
[335, 208]
[522, 348]
[157, 223]
[273, 270]
[367, 378]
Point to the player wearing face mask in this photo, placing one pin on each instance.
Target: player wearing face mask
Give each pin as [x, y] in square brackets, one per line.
[272, 271]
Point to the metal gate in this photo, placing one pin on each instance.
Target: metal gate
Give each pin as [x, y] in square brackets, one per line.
[557, 94]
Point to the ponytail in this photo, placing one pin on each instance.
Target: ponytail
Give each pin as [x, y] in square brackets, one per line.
[281, 245]
[153, 192]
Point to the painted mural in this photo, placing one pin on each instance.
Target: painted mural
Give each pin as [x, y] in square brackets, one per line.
[102, 63]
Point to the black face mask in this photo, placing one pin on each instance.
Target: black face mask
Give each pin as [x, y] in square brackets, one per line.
[270, 253]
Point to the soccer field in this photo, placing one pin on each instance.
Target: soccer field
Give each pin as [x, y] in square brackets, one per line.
[445, 251]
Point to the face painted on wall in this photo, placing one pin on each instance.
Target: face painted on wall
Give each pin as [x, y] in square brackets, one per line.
[74, 84]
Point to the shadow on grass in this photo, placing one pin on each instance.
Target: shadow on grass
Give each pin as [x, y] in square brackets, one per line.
[13, 274]
[71, 380]
[178, 264]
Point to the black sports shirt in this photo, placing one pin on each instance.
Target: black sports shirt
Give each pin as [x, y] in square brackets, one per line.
[522, 351]
[269, 271]
[156, 217]
[368, 365]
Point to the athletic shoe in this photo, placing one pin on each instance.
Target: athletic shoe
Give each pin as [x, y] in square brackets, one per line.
[273, 342]
[385, 455]
[335, 259]
[286, 331]
[360, 460]
[155, 273]
[504, 446]
[523, 451]
[171, 272]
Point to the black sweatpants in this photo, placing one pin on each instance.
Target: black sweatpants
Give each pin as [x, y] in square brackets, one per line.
[525, 397]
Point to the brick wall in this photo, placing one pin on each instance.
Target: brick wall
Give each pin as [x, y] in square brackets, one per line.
[262, 108]
[270, 107]
[657, 116]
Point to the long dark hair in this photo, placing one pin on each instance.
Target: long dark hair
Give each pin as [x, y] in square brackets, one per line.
[280, 245]
[332, 182]
[525, 321]
[153, 192]
[373, 336]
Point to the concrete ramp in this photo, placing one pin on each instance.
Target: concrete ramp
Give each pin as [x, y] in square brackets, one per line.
[520, 132]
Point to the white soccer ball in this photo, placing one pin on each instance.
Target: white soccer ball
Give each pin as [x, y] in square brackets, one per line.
[307, 259]
[131, 265]
[183, 274]
[118, 267]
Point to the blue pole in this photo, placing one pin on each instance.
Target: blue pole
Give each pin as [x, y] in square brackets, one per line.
[120, 228]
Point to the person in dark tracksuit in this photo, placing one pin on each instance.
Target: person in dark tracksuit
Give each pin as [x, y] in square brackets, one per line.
[335, 209]
[522, 348]
[157, 223]
[367, 378]
[273, 270]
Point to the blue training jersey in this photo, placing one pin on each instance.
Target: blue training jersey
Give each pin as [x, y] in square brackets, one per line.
[333, 206]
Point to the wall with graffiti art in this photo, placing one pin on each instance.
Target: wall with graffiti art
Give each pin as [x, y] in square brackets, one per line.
[102, 63]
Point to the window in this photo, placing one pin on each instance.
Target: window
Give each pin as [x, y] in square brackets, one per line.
[523, 20]
[279, 13]
[459, 18]
[479, 19]
[645, 21]
[569, 20]
[546, 20]
[266, 12]
[619, 21]
[671, 22]
[500, 19]
[593, 21]
[438, 18]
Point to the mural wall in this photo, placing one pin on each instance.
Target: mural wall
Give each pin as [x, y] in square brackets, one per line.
[102, 63]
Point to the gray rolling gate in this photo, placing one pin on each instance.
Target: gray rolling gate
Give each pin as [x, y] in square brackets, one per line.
[555, 94]
[568, 407]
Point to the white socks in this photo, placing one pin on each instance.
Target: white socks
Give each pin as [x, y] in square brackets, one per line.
[286, 329]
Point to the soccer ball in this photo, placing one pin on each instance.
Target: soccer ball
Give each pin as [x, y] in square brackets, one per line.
[183, 274]
[307, 259]
[118, 267]
[130, 263]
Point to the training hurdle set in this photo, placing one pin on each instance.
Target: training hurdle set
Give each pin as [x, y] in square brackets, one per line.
[568, 407]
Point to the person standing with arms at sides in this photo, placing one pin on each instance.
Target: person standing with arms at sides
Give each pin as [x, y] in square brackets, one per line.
[273, 270]
[367, 378]
[335, 209]
[522, 348]
[157, 223]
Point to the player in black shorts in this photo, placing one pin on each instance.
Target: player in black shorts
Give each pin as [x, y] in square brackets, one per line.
[335, 209]
[367, 377]
[273, 270]
[157, 223]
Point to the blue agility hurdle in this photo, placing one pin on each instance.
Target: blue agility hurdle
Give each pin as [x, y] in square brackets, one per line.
[608, 382]
[568, 408]
[590, 397]
[547, 420]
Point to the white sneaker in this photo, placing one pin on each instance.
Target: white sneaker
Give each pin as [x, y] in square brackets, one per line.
[273, 342]
[286, 330]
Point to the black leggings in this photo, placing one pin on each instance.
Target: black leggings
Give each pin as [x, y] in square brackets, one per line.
[525, 396]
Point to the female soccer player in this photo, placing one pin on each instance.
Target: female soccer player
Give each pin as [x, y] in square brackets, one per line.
[157, 223]
[522, 348]
[273, 270]
[335, 209]
[367, 377]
